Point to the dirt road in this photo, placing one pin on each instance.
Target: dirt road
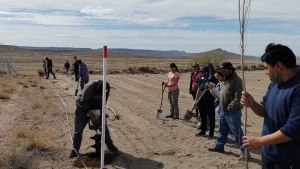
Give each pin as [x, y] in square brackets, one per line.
[144, 141]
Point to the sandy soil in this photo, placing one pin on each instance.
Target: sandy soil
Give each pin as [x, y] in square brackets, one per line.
[144, 141]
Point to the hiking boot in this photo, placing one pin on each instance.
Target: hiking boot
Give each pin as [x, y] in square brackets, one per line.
[169, 116]
[210, 137]
[175, 118]
[216, 149]
[114, 150]
[73, 154]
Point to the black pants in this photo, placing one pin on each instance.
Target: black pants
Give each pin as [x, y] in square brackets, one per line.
[269, 164]
[83, 81]
[76, 76]
[48, 73]
[193, 93]
[207, 109]
[80, 122]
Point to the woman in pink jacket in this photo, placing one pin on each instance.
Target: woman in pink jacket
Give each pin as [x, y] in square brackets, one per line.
[173, 94]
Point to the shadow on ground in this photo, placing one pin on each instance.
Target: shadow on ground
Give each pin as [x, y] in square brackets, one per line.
[124, 160]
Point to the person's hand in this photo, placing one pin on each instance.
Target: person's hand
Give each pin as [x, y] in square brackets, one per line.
[246, 99]
[210, 85]
[166, 84]
[251, 142]
[196, 103]
[93, 117]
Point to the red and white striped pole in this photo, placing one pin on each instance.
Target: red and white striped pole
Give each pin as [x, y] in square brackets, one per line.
[103, 105]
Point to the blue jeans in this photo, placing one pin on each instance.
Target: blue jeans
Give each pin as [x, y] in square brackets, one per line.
[230, 121]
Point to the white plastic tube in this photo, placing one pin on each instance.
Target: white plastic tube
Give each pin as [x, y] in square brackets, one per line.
[103, 105]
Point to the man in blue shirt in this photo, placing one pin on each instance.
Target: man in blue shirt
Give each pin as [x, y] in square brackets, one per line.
[280, 108]
[83, 74]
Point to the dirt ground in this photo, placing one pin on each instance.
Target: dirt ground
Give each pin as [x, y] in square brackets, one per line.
[144, 141]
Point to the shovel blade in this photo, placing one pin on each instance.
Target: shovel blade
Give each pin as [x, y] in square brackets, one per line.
[159, 114]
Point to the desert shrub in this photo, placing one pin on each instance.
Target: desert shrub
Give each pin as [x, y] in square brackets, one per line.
[15, 159]
[41, 73]
[30, 139]
[8, 88]
[4, 96]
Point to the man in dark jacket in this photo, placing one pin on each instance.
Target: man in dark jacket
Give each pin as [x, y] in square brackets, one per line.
[83, 74]
[50, 68]
[205, 103]
[76, 69]
[230, 109]
[90, 99]
[280, 108]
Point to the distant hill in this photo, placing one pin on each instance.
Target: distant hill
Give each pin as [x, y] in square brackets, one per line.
[154, 53]
[56, 49]
[135, 52]
[219, 53]
[216, 53]
[9, 48]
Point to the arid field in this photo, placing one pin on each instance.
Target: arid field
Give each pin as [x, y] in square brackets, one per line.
[35, 130]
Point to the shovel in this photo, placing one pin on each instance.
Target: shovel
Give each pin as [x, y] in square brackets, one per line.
[76, 91]
[159, 111]
[189, 113]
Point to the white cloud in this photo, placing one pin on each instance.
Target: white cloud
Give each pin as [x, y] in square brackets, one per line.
[67, 23]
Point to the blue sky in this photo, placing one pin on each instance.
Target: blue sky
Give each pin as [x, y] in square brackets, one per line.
[191, 26]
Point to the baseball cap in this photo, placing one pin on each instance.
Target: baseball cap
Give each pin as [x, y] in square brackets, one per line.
[195, 65]
[227, 65]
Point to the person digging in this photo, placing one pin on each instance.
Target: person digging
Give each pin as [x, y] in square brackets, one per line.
[90, 99]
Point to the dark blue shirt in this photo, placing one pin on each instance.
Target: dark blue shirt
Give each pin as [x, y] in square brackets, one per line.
[202, 86]
[83, 71]
[282, 112]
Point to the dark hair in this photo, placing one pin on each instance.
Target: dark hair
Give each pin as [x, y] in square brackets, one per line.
[279, 53]
[79, 61]
[100, 88]
[219, 73]
[211, 67]
[174, 66]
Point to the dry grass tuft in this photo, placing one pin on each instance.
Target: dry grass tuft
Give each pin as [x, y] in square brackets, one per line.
[2, 73]
[20, 82]
[8, 88]
[32, 139]
[41, 73]
[4, 96]
[15, 159]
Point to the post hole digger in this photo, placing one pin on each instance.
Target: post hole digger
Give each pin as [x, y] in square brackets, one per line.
[159, 111]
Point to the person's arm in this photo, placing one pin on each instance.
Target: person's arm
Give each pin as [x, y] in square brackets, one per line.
[214, 91]
[173, 84]
[80, 71]
[197, 95]
[87, 96]
[191, 82]
[237, 96]
[251, 142]
[248, 101]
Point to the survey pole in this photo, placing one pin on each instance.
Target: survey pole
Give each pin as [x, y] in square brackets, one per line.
[103, 106]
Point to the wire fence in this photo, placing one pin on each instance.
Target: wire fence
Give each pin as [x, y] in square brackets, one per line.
[6, 66]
